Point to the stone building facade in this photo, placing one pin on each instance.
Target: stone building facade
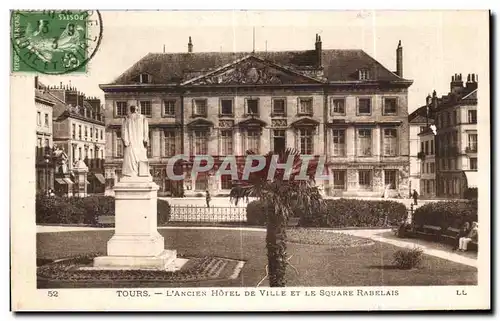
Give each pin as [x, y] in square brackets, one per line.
[78, 127]
[457, 138]
[44, 140]
[341, 104]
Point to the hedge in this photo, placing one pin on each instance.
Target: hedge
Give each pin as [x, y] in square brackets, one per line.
[84, 210]
[341, 213]
[446, 214]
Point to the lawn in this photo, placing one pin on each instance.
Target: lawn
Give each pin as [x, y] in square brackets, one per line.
[318, 264]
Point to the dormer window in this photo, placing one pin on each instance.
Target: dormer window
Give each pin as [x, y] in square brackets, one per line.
[364, 74]
[143, 78]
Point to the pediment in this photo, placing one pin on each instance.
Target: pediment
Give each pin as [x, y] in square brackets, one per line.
[252, 122]
[304, 121]
[252, 70]
[200, 122]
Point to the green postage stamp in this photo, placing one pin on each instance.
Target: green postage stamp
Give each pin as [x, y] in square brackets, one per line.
[54, 41]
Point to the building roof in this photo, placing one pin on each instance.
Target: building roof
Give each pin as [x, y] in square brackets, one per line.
[43, 96]
[337, 65]
[419, 116]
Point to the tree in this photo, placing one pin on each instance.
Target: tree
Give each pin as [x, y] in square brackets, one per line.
[281, 195]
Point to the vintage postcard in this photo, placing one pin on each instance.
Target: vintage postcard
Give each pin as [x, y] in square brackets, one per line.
[250, 160]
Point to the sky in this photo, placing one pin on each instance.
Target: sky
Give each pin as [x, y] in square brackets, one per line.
[436, 44]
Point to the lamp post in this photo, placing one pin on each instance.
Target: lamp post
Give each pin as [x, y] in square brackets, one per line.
[47, 161]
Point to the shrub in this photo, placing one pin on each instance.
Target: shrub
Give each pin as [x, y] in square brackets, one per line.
[446, 214]
[471, 193]
[408, 258]
[57, 210]
[256, 213]
[340, 213]
[163, 212]
[85, 210]
[356, 213]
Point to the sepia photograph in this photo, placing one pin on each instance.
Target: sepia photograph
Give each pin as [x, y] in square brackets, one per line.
[257, 155]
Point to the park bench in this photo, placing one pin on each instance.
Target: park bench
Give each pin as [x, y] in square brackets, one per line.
[451, 233]
[105, 220]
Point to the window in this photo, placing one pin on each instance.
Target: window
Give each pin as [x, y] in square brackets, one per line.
[80, 153]
[338, 106]
[226, 142]
[338, 142]
[364, 142]
[149, 148]
[279, 108]
[432, 147]
[226, 107]
[86, 153]
[169, 108]
[200, 107]
[390, 141]
[433, 169]
[279, 140]
[80, 131]
[472, 115]
[427, 170]
[252, 106]
[339, 180]
[364, 106]
[390, 106]
[365, 179]
[39, 118]
[422, 129]
[226, 182]
[86, 132]
[169, 143]
[119, 144]
[421, 146]
[473, 163]
[253, 140]
[101, 133]
[39, 147]
[91, 132]
[457, 117]
[449, 119]
[46, 120]
[144, 78]
[102, 154]
[364, 74]
[73, 131]
[390, 178]
[306, 141]
[121, 108]
[472, 143]
[426, 150]
[200, 142]
[146, 108]
[305, 106]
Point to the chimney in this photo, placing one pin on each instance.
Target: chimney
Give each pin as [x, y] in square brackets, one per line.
[399, 60]
[456, 84]
[318, 47]
[190, 45]
[434, 101]
[95, 103]
[471, 83]
[36, 82]
[71, 97]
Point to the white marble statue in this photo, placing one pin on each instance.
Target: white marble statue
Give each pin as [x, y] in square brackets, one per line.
[135, 136]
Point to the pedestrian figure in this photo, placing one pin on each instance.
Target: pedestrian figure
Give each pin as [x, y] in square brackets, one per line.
[471, 236]
[208, 198]
[415, 197]
[464, 231]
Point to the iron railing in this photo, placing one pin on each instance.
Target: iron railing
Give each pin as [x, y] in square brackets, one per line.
[213, 214]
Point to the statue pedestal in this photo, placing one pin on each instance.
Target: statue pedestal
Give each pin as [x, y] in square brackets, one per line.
[136, 243]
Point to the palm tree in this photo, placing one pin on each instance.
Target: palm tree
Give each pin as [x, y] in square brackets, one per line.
[281, 197]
